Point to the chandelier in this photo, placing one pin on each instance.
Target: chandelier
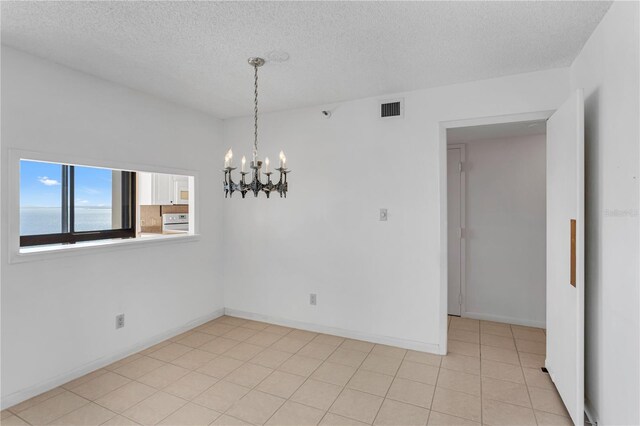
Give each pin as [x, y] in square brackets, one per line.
[256, 185]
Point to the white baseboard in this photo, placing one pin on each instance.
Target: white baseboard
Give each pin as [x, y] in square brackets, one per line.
[24, 394]
[508, 320]
[351, 334]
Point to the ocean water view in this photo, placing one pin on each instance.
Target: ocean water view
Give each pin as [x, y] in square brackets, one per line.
[48, 220]
[42, 186]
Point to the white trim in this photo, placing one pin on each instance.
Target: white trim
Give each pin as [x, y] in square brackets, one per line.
[351, 334]
[54, 157]
[24, 394]
[13, 204]
[38, 253]
[444, 251]
[444, 125]
[507, 320]
[590, 412]
[463, 225]
[498, 119]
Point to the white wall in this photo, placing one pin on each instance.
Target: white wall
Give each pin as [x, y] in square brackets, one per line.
[375, 279]
[506, 230]
[607, 69]
[58, 315]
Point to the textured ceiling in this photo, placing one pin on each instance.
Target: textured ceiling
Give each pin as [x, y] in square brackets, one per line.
[496, 131]
[195, 53]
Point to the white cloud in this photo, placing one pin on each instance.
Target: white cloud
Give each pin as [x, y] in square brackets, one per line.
[88, 190]
[48, 182]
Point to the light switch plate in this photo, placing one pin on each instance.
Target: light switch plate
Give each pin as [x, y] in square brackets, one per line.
[383, 215]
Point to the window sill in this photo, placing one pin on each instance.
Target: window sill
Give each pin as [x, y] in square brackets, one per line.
[35, 253]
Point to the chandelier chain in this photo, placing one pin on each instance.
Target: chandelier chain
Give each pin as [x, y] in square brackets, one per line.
[255, 114]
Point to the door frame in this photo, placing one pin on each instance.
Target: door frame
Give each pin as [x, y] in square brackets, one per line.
[444, 256]
[463, 226]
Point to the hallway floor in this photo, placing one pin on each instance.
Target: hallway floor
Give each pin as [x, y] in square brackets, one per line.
[232, 371]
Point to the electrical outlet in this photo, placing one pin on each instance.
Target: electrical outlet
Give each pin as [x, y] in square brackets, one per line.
[313, 299]
[119, 321]
[383, 215]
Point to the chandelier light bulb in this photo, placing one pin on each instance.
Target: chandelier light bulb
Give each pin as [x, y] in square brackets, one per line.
[228, 157]
[244, 160]
[266, 164]
[283, 160]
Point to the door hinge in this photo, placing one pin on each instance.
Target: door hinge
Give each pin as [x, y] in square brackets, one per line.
[460, 299]
[460, 166]
[461, 233]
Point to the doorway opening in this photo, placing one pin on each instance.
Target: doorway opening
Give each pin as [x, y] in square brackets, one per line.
[506, 196]
[496, 214]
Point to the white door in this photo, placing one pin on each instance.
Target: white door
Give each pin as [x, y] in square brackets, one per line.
[565, 253]
[454, 216]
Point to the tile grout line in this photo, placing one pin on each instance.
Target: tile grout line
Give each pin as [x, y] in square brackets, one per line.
[113, 390]
[305, 380]
[24, 420]
[321, 361]
[325, 360]
[162, 390]
[218, 380]
[392, 380]
[518, 353]
[116, 415]
[130, 380]
[464, 372]
[435, 387]
[171, 413]
[345, 387]
[302, 384]
[245, 362]
[526, 384]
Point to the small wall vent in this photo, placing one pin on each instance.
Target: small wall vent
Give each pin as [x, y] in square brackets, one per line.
[391, 108]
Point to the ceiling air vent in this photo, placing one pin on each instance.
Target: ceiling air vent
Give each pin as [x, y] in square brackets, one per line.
[391, 108]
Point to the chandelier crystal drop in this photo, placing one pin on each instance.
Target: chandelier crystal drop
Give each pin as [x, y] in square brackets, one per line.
[256, 185]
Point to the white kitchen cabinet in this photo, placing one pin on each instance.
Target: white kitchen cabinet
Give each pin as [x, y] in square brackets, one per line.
[145, 188]
[162, 189]
[163, 193]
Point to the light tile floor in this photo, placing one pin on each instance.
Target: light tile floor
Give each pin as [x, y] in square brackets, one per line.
[232, 371]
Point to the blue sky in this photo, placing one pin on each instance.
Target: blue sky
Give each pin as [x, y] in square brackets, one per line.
[40, 185]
